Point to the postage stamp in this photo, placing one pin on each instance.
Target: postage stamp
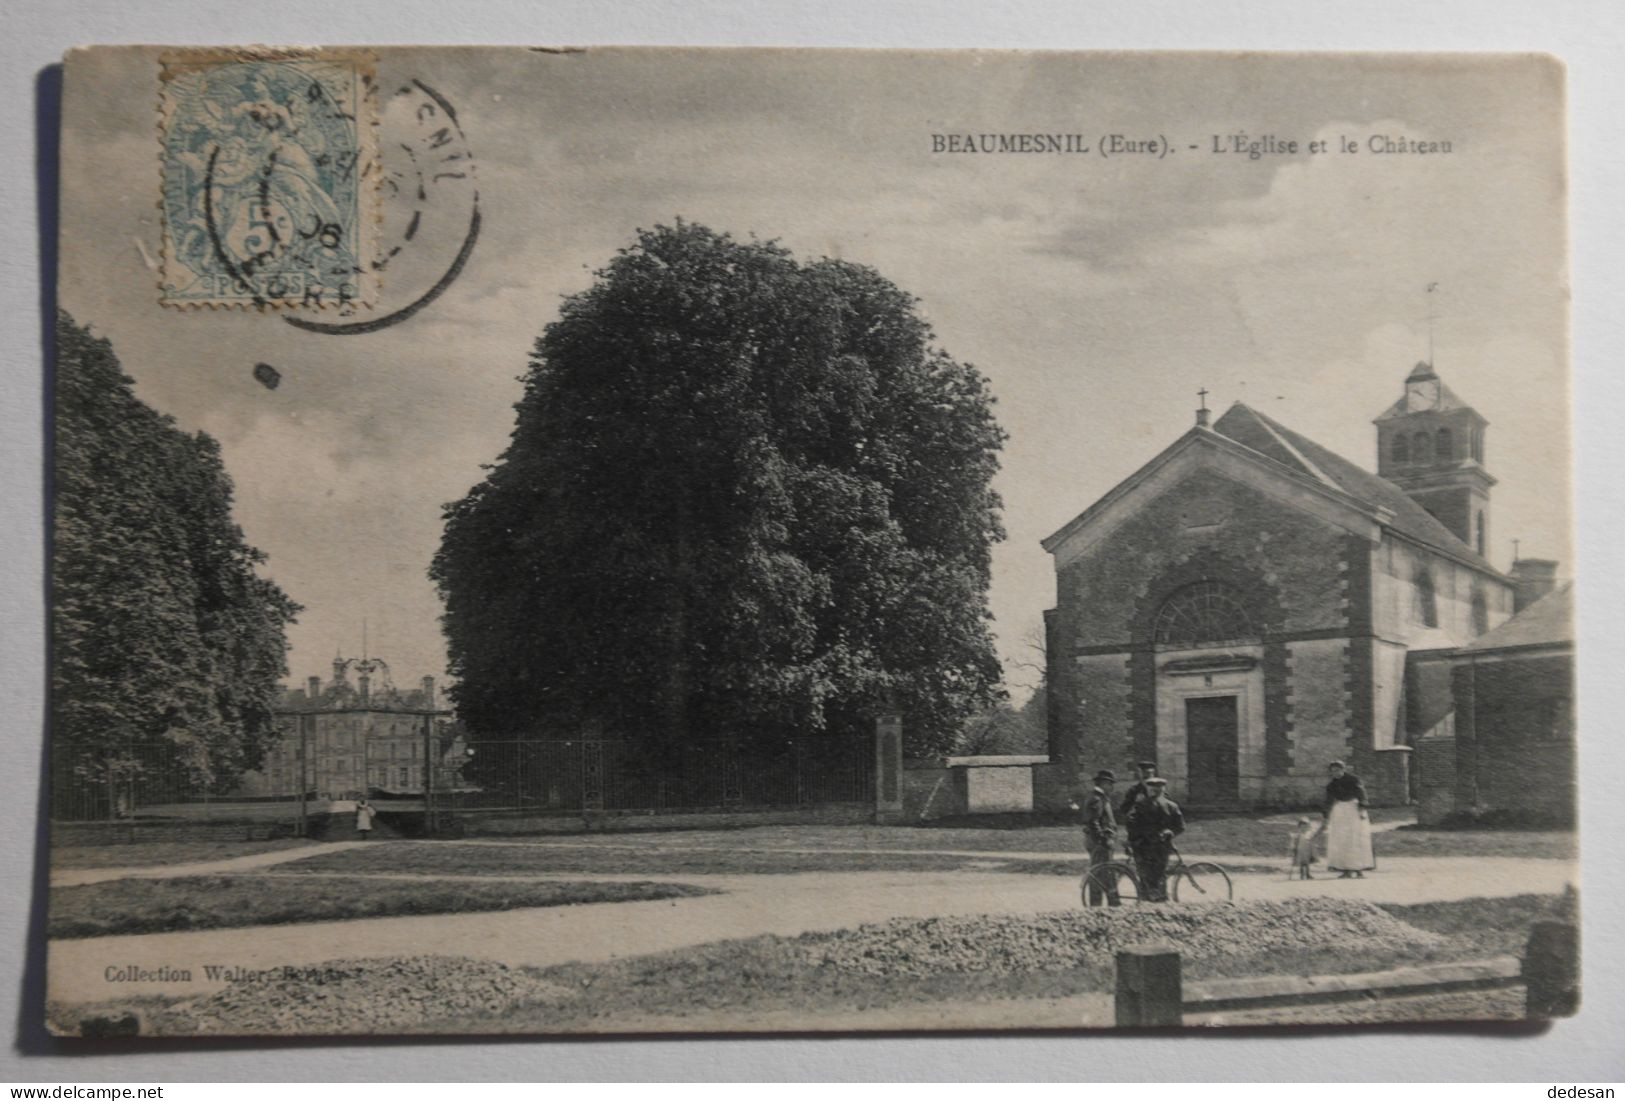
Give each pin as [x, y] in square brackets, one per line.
[269, 193]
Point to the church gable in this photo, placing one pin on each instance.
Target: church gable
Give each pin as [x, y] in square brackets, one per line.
[1203, 453]
[1194, 526]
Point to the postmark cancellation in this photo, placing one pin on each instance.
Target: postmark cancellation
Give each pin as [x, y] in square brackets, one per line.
[270, 197]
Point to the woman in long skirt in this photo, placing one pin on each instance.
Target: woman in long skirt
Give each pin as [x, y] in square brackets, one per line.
[1348, 827]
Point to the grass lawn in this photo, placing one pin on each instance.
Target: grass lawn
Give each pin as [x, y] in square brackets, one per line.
[153, 854]
[1252, 837]
[923, 847]
[552, 857]
[766, 974]
[629, 858]
[226, 901]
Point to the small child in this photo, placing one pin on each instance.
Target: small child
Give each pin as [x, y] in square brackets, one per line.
[1303, 848]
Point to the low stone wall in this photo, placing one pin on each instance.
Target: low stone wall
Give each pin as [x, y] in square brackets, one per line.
[476, 825]
[932, 790]
[952, 786]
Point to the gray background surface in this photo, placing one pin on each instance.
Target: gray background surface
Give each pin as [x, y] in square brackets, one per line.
[1588, 36]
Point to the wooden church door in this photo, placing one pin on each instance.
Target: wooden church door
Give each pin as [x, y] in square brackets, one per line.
[1212, 772]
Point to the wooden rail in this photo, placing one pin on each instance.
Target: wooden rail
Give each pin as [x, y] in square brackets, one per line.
[1151, 992]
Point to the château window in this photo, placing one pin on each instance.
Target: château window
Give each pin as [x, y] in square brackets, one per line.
[1478, 444]
[1478, 523]
[1427, 603]
[1481, 612]
[1402, 450]
[1422, 448]
[1206, 612]
[1443, 446]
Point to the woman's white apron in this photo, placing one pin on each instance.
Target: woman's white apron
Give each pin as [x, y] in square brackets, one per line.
[1348, 838]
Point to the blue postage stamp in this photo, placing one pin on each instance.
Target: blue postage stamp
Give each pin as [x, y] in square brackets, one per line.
[269, 179]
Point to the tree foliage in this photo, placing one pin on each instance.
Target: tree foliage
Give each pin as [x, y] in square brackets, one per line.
[1002, 729]
[164, 634]
[743, 497]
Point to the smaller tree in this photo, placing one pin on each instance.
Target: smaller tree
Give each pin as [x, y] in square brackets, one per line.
[1003, 730]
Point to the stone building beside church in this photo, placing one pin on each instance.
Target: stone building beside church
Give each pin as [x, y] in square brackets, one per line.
[1244, 607]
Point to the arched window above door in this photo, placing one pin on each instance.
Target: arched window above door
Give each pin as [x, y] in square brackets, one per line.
[1205, 612]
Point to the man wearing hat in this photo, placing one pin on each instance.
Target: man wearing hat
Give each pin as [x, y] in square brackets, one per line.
[1099, 831]
[1146, 770]
[1153, 823]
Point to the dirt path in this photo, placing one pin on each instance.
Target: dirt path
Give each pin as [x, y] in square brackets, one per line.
[107, 967]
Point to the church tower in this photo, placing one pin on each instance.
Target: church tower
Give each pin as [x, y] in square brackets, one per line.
[1430, 443]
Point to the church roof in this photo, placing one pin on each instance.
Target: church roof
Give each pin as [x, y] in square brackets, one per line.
[1252, 429]
[1447, 398]
[1548, 621]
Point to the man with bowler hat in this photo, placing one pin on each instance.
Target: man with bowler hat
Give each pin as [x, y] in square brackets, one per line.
[1145, 770]
[1153, 823]
[1099, 831]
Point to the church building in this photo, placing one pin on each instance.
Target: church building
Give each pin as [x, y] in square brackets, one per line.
[1243, 608]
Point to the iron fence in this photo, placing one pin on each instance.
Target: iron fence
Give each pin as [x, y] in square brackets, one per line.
[151, 786]
[148, 783]
[562, 776]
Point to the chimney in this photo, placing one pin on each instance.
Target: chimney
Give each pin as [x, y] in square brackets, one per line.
[428, 693]
[1532, 578]
[313, 688]
[339, 680]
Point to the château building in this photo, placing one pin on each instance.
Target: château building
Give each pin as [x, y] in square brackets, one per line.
[353, 738]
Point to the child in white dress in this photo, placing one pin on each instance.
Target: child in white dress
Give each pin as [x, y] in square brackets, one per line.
[1303, 848]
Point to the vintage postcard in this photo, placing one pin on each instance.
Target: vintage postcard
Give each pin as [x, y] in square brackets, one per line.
[657, 541]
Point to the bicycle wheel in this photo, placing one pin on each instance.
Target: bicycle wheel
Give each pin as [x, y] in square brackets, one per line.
[1110, 879]
[1203, 881]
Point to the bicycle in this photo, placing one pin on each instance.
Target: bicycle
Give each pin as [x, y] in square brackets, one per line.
[1203, 881]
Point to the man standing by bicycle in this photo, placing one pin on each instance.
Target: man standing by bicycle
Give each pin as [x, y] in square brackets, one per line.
[1099, 831]
[1144, 771]
[1153, 823]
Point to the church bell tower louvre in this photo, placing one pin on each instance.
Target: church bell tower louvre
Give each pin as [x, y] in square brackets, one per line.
[1430, 443]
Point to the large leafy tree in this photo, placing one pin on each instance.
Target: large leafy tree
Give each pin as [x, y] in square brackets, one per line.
[744, 497]
[168, 645]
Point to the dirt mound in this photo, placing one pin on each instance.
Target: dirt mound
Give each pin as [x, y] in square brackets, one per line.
[361, 996]
[1067, 938]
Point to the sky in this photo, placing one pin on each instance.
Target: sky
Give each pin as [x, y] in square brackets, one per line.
[1097, 294]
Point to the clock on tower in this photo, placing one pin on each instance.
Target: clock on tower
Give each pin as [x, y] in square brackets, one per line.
[1422, 394]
